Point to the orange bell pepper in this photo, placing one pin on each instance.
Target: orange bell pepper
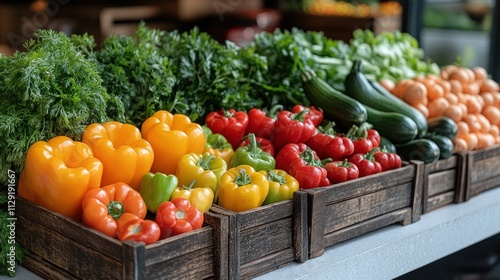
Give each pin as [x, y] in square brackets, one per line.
[58, 173]
[104, 207]
[126, 156]
[172, 136]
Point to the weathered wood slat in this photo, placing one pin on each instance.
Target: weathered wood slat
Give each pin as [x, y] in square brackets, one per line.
[483, 172]
[278, 230]
[402, 216]
[344, 211]
[444, 178]
[440, 200]
[60, 248]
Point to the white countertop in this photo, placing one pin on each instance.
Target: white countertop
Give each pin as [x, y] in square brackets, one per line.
[395, 250]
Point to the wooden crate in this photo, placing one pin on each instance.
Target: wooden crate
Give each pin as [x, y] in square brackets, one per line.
[346, 210]
[444, 182]
[483, 171]
[266, 238]
[59, 248]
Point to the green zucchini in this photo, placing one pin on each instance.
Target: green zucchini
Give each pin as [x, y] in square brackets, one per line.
[374, 95]
[337, 106]
[397, 127]
[419, 149]
[445, 144]
[387, 144]
[442, 125]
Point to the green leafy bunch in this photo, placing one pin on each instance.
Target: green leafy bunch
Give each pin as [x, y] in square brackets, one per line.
[134, 72]
[50, 89]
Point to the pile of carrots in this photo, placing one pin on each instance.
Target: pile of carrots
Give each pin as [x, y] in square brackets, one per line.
[466, 95]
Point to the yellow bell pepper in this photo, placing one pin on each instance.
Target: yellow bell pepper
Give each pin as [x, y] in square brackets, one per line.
[281, 185]
[201, 198]
[242, 188]
[206, 169]
[58, 173]
[126, 156]
[172, 136]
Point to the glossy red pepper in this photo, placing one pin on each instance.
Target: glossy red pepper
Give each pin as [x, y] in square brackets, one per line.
[309, 170]
[178, 216]
[341, 171]
[261, 123]
[314, 114]
[230, 123]
[328, 144]
[289, 153]
[139, 230]
[366, 163]
[364, 138]
[292, 128]
[387, 160]
[265, 144]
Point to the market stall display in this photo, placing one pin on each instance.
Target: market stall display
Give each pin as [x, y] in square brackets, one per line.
[339, 148]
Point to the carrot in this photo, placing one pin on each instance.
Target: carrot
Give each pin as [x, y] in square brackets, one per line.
[401, 87]
[415, 93]
[434, 90]
[452, 98]
[472, 122]
[454, 112]
[455, 86]
[489, 85]
[484, 140]
[422, 108]
[471, 88]
[461, 74]
[488, 98]
[494, 130]
[484, 122]
[473, 105]
[438, 106]
[480, 74]
[387, 84]
[460, 144]
[462, 128]
[492, 113]
[471, 139]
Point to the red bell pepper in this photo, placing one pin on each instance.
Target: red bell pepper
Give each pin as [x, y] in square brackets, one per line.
[309, 170]
[364, 138]
[314, 114]
[265, 144]
[289, 153]
[139, 230]
[341, 171]
[387, 160]
[261, 123]
[366, 163]
[292, 128]
[230, 123]
[328, 144]
[178, 216]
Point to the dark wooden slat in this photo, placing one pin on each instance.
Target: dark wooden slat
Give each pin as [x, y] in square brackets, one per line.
[443, 181]
[267, 264]
[439, 201]
[402, 215]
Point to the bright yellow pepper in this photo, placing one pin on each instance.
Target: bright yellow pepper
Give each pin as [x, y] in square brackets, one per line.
[172, 136]
[58, 173]
[242, 188]
[126, 156]
[206, 169]
[201, 198]
[281, 185]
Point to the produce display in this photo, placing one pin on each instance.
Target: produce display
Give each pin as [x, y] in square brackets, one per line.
[141, 137]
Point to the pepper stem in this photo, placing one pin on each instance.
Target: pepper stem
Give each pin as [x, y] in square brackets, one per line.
[275, 177]
[205, 161]
[328, 129]
[243, 178]
[190, 186]
[273, 111]
[115, 209]
[300, 116]
[252, 143]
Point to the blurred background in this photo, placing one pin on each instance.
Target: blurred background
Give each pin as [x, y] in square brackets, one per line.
[446, 29]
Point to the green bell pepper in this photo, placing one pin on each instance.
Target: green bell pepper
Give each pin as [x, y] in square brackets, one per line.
[218, 146]
[253, 155]
[157, 188]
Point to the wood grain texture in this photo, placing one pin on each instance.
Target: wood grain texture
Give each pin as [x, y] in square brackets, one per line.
[59, 248]
[483, 172]
[266, 238]
[343, 211]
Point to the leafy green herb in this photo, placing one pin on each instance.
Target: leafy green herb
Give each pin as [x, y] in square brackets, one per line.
[50, 89]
